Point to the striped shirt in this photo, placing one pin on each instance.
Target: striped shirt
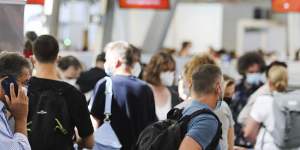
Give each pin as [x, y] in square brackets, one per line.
[8, 139]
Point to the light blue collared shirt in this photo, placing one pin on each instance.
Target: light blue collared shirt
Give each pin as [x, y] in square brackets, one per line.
[8, 139]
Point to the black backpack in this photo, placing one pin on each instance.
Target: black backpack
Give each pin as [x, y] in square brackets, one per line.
[49, 120]
[168, 134]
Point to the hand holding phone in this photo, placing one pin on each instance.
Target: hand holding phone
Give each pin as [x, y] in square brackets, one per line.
[6, 85]
[18, 107]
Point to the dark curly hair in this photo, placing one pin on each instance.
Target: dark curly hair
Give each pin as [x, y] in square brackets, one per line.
[45, 49]
[12, 64]
[159, 63]
[249, 59]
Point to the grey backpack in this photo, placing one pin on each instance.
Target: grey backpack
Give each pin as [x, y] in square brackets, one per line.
[286, 106]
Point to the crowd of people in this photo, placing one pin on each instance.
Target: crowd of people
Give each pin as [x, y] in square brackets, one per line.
[49, 102]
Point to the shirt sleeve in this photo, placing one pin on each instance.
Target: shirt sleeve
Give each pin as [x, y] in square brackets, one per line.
[229, 115]
[203, 129]
[259, 110]
[17, 142]
[81, 115]
[22, 142]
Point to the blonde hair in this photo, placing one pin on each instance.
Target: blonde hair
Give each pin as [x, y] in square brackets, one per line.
[194, 63]
[278, 76]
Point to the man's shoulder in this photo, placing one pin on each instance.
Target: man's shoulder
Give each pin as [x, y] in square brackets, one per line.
[92, 73]
[204, 118]
[130, 81]
[203, 128]
[41, 84]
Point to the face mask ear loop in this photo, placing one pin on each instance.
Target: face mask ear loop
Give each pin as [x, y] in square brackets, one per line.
[223, 86]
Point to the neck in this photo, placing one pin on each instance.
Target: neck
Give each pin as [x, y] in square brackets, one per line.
[123, 70]
[160, 86]
[208, 99]
[100, 65]
[46, 71]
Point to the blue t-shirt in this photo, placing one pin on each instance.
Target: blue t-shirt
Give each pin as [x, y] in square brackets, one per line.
[202, 128]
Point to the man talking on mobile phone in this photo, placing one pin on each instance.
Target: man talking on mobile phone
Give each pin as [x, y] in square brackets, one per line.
[13, 104]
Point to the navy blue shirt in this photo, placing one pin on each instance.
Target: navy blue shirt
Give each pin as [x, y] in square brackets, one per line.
[132, 108]
[202, 128]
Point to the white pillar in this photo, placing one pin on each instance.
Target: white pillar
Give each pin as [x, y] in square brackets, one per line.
[293, 34]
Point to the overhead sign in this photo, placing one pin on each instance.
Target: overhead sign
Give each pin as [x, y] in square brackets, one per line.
[285, 6]
[40, 2]
[145, 4]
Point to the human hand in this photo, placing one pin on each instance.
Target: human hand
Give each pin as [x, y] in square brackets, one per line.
[17, 105]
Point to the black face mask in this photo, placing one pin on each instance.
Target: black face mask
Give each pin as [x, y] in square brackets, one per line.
[228, 100]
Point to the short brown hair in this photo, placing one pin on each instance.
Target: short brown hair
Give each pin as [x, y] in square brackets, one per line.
[204, 79]
[195, 62]
[159, 63]
[45, 49]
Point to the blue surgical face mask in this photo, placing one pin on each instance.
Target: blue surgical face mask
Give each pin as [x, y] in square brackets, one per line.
[254, 78]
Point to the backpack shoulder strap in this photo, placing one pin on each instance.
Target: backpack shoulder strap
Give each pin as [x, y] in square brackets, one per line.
[215, 141]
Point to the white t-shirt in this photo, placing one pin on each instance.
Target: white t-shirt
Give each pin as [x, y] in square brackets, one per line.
[225, 116]
[245, 113]
[161, 112]
[262, 112]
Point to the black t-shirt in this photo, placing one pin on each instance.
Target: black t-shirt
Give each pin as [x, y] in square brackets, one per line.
[75, 101]
[132, 108]
[88, 79]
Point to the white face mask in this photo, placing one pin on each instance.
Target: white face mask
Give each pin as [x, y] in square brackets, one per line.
[167, 78]
[137, 69]
[71, 81]
[183, 90]
[109, 70]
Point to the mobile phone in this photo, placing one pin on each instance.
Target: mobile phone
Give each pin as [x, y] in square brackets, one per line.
[6, 85]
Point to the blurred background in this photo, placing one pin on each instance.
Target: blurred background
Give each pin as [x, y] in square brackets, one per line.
[224, 28]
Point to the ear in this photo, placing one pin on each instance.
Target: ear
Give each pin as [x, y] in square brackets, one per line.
[219, 87]
[2, 93]
[58, 58]
[189, 84]
[271, 85]
[32, 60]
[119, 63]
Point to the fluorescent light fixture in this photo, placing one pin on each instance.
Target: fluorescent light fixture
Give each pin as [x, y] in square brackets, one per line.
[48, 7]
